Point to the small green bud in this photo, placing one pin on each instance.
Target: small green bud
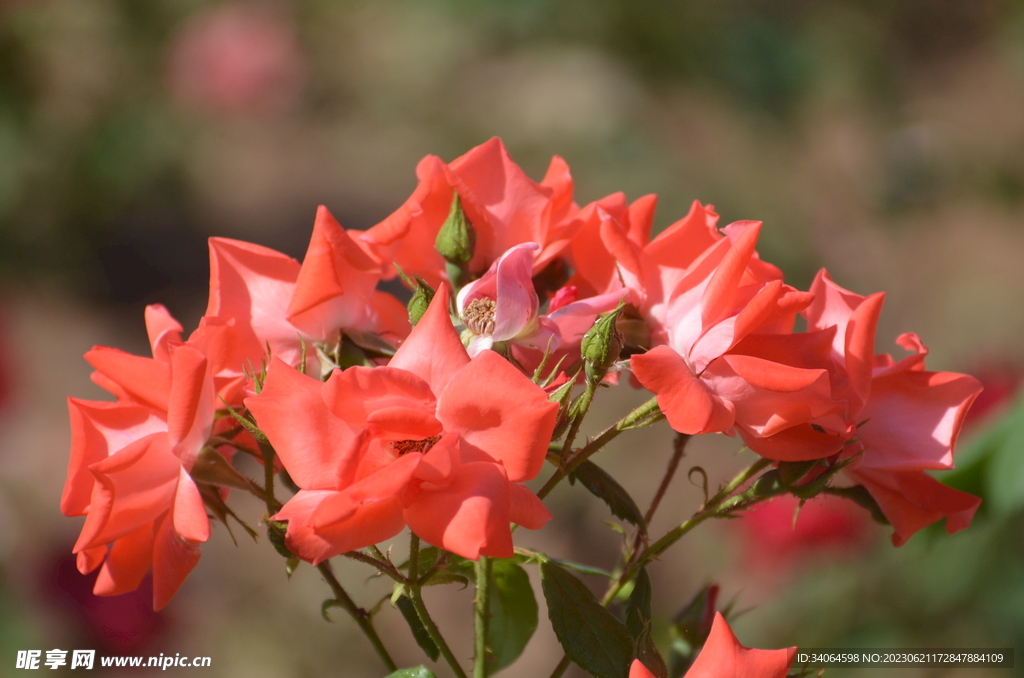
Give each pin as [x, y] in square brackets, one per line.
[421, 298]
[456, 240]
[792, 472]
[276, 531]
[602, 343]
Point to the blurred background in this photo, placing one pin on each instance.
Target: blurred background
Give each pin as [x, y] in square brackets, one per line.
[884, 141]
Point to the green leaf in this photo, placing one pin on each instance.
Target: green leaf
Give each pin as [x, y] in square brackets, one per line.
[638, 609]
[414, 672]
[590, 635]
[419, 632]
[647, 652]
[638, 621]
[513, 611]
[604, 487]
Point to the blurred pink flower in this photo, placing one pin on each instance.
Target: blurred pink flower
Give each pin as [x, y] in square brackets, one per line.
[237, 57]
[774, 535]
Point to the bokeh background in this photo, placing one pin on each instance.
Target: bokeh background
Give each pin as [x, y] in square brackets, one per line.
[884, 141]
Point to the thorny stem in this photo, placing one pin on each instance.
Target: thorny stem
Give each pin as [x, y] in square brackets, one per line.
[641, 416]
[273, 505]
[581, 407]
[381, 565]
[678, 449]
[719, 504]
[421, 609]
[361, 616]
[481, 616]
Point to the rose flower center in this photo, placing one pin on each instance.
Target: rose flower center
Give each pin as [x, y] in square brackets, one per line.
[479, 316]
[401, 447]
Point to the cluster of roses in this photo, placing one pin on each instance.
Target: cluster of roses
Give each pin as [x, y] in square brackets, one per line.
[436, 424]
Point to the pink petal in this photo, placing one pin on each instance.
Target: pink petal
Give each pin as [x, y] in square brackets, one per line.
[188, 515]
[526, 508]
[318, 449]
[128, 562]
[501, 415]
[516, 301]
[686, 401]
[173, 559]
[723, 657]
[769, 397]
[914, 500]
[191, 403]
[144, 380]
[334, 284]
[433, 351]
[163, 330]
[98, 430]
[914, 418]
[469, 516]
[133, 487]
[368, 524]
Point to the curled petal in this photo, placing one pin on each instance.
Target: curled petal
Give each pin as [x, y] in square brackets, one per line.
[913, 500]
[143, 380]
[688, 404]
[367, 524]
[769, 397]
[163, 331]
[98, 430]
[133, 487]
[334, 283]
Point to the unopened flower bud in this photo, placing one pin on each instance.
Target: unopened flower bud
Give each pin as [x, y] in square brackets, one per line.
[421, 297]
[602, 343]
[456, 240]
[276, 531]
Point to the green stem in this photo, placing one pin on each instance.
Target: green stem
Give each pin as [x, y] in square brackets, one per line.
[641, 416]
[580, 407]
[421, 609]
[361, 616]
[481, 615]
[268, 452]
[720, 503]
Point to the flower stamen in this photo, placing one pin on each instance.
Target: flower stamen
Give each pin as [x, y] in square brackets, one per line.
[401, 447]
[479, 316]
